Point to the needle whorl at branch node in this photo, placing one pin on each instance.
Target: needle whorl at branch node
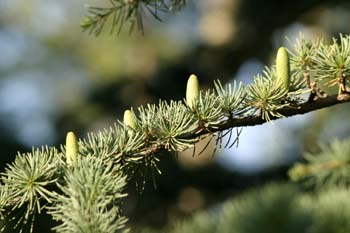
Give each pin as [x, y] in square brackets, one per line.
[110, 157]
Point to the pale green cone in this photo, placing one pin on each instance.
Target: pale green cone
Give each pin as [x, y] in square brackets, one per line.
[297, 172]
[129, 119]
[283, 68]
[192, 90]
[86, 22]
[71, 149]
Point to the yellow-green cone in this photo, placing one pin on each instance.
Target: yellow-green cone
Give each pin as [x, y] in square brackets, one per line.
[297, 172]
[86, 22]
[129, 119]
[192, 90]
[71, 149]
[283, 68]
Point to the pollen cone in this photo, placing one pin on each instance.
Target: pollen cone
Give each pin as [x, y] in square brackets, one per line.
[192, 90]
[71, 149]
[283, 68]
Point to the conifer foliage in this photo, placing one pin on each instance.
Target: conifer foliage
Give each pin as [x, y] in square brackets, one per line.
[279, 207]
[130, 12]
[82, 184]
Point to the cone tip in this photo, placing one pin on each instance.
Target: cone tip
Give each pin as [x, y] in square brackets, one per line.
[193, 77]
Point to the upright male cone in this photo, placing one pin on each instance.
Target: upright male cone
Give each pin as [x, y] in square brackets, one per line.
[71, 149]
[283, 68]
[129, 119]
[192, 90]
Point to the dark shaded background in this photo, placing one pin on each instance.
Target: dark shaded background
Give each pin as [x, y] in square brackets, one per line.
[54, 78]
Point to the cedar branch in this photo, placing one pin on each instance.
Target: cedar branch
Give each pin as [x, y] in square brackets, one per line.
[288, 111]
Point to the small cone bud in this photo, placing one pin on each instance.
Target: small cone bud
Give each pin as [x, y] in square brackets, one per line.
[192, 90]
[86, 22]
[283, 68]
[71, 149]
[129, 119]
[297, 172]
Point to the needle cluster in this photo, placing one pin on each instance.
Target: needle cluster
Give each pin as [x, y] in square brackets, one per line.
[82, 183]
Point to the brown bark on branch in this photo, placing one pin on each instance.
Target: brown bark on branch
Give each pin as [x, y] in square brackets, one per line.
[287, 112]
[303, 108]
[257, 120]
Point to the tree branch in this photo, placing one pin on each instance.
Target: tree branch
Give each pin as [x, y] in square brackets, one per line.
[286, 111]
[257, 120]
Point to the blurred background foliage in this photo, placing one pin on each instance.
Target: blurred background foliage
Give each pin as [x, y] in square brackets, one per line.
[54, 78]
